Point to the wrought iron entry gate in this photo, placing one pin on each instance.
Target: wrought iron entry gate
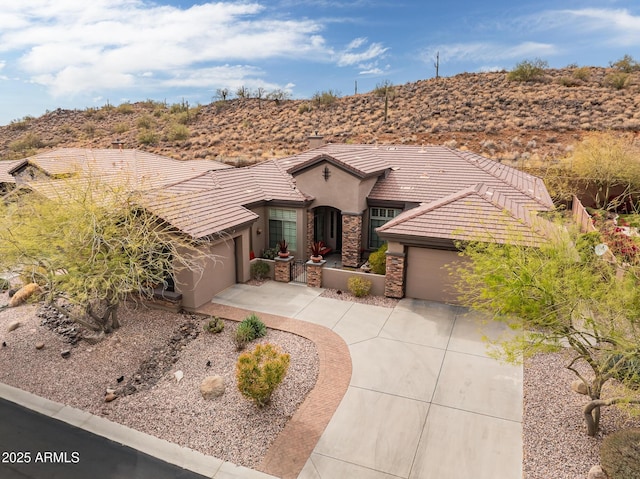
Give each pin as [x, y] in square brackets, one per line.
[299, 271]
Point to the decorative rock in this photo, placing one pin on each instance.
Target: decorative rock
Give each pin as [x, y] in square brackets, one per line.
[110, 397]
[179, 375]
[110, 391]
[66, 353]
[596, 472]
[39, 345]
[212, 387]
[13, 325]
[579, 386]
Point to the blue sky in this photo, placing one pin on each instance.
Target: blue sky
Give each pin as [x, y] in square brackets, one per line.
[79, 53]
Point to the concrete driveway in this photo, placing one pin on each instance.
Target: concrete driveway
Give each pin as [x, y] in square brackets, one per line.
[425, 400]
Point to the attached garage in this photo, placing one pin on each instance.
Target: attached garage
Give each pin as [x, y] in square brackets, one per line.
[428, 276]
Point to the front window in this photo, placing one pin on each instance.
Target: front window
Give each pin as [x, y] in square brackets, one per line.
[378, 217]
[282, 225]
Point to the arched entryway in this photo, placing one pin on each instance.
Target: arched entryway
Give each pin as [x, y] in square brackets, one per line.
[327, 227]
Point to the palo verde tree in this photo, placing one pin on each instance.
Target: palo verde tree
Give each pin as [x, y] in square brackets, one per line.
[91, 244]
[561, 295]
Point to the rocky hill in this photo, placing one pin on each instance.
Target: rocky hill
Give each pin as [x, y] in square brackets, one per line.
[509, 120]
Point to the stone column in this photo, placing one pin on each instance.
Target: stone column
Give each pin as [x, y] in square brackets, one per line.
[351, 239]
[282, 269]
[310, 218]
[394, 278]
[314, 273]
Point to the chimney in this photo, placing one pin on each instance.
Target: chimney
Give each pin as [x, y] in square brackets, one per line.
[117, 144]
[316, 141]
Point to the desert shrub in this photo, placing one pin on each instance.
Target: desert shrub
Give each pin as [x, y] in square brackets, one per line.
[182, 117]
[626, 64]
[178, 132]
[582, 73]
[304, 108]
[249, 329]
[617, 80]
[620, 454]
[145, 121]
[148, 137]
[34, 274]
[270, 253]
[260, 372]
[528, 70]
[214, 325]
[120, 128]
[260, 270]
[30, 141]
[20, 125]
[4, 284]
[378, 260]
[568, 81]
[326, 98]
[125, 109]
[358, 286]
[89, 128]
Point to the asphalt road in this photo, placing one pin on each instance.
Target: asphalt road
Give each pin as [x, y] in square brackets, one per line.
[38, 447]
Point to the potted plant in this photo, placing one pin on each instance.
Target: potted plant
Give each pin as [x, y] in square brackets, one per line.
[316, 248]
[283, 248]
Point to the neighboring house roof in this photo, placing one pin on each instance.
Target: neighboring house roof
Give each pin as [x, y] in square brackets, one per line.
[146, 170]
[476, 213]
[5, 167]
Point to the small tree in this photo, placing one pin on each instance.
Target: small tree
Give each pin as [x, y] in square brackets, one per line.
[558, 295]
[92, 243]
[528, 70]
[222, 94]
[626, 64]
[260, 372]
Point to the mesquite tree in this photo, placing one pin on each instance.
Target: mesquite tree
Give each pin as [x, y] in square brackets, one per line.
[91, 244]
[561, 295]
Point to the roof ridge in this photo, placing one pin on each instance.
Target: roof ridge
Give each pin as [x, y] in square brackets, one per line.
[477, 163]
[427, 207]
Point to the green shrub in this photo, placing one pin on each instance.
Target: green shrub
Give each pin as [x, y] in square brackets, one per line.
[620, 454]
[618, 80]
[214, 325]
[28, 142]
[4, 284]
[249, 329]
[304, 108]
[378, 260]
[326, 98]
[582, 73]
[528, 70]
[358, 286]
[626, 64]
[148, 137]
[125, 109]
[120, 128]
[145, 121]
[178, 132]
[260, 270]
[270, 253]
[260, 372]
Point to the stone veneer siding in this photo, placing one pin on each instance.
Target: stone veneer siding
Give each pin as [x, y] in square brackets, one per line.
[282, 270]
[394, 280]
[314, 274]
[351, 239]
[310, 218]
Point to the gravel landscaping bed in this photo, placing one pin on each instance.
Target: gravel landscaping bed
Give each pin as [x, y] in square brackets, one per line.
[556, 444]
[230, 427]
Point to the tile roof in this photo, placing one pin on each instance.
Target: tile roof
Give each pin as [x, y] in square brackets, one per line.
[147, 170]
[216, 201]
[359, 160]
[476, 213]
[5, 167]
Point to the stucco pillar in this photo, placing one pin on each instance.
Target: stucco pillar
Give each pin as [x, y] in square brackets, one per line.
[282, 269]
[394, 278]
[314, 273]
[351, 239]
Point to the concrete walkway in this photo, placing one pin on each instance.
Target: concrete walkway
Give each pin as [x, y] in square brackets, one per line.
[424, 401]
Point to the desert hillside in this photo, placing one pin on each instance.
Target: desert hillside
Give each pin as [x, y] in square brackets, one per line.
[485, 112]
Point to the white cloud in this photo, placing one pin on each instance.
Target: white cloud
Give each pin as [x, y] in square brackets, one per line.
[487, 52]
[621, 26]
[74, 47]
[349, 57]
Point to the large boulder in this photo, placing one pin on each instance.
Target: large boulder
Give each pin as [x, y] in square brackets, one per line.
[579, 386]
[212, 387]
[596, 472]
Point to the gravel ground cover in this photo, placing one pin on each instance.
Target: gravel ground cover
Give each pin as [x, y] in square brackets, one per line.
[556, 444]
[231, 427]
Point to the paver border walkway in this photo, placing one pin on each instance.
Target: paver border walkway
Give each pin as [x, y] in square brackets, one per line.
[293, 446]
